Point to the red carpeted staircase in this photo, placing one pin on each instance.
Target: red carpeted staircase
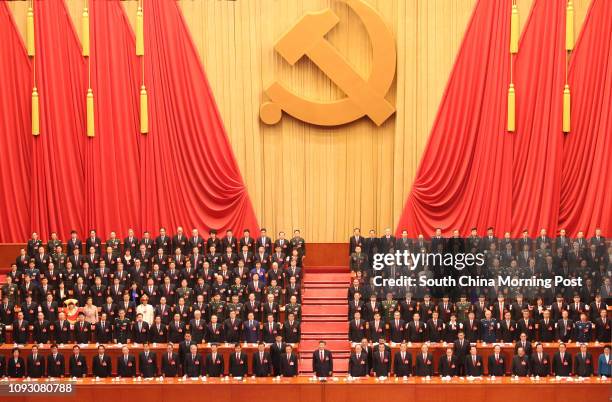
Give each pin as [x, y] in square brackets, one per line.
[324, 316]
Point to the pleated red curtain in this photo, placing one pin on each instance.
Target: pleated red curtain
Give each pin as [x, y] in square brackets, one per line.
[58, 154]
[182, 173]
[15, 128]
[586, 178]
[112, 163]
[539, 77]
[465, 175]
[475, 174]
[189, 175]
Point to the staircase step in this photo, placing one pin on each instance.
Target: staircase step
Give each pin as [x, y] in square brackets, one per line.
[327, 292]
[340, 278]
[328, 337]
[317, 309]
[341, 287]
[312, 301]
[325, 328]
[327, 269]
[325, 319]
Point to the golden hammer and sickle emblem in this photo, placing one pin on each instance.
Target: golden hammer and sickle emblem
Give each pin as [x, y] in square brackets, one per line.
[364, 97]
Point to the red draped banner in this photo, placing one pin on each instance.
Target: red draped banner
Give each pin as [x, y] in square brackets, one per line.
[586, 172]
[475, 174]
[465, 175]
[182, 173]
[15, 128]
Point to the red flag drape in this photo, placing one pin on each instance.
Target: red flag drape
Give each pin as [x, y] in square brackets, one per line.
[189, 175]
[112, 164]
[58, 153]
[539, 78]
[473, 173]
[465, 175]
[15, 131]
[586, 183]
[182, 173]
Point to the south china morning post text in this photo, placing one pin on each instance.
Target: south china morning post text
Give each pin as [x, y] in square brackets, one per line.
[453, 261]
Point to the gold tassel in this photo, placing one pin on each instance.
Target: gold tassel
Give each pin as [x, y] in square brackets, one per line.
[569, 26]
[514, 29]
[35, 113]
[30, 32]
[566, 109]
[144, 111]
[139, 32]
[511, 109]
[90, 114]
[85, 29]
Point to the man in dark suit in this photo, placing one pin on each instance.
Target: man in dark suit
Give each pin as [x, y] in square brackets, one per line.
[36, 364]
[56, 365]
[103, 332]
[262, 362]
[355, 240]
[170, 362]
[520, 364]
[126, 363]
[358, 363]
[416, 329]
[194, 363]
[215, 363]
[523, 343]
[322, 361]
[461, 348]
[402, 362]
[424, 363]
[77, 365]
[540, 362]
[276, 351]
[546, 328]
[381, 362]
[397, 328]
[447, 366]
[238, 363]
[289, 363]
[21, 332]
[102, 365]
[565, 327]
[497, 363]
[357, 328]
[251, 329]
[387, 242]
[15, 367]
[562, 362]
[473, 363]
[583, 362]
[147, 362]
[292, 331]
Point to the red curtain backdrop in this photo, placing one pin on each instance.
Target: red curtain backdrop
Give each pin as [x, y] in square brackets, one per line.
[539, 78]
[189, 175]
[15, 126]
[465, 175]
[474, 173]
[112, 164]
[58, 193]
[182, 173]
[586, 180]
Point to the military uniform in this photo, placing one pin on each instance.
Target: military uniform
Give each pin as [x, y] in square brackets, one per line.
[389, 307]
[122, 330]
[583, 331]
[217, 308]
[489, 330]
